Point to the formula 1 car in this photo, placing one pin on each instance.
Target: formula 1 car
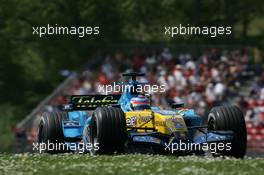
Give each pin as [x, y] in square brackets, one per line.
[127, 122]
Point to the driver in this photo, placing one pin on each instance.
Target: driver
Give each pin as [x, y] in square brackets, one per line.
[140, 103]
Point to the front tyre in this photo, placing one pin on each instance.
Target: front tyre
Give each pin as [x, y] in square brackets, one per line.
[107, 130]
[230, 118]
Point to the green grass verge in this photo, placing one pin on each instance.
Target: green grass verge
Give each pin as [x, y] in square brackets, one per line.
[125, 165]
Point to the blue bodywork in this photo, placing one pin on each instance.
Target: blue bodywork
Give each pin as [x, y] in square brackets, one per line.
[74, 125]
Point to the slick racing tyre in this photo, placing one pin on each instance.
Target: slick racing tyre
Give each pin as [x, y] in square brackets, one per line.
[107, 131]
[230, 118]
[50, 131]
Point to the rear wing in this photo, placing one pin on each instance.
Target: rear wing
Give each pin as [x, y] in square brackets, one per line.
[91, 102]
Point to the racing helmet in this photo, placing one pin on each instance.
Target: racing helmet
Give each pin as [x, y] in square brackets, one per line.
[140, 103]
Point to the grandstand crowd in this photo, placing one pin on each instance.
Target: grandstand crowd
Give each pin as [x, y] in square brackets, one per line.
[214, 78]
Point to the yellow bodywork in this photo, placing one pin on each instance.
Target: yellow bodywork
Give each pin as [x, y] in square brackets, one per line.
[164, 124]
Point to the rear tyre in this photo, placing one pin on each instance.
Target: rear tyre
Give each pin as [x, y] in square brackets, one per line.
[107, 131]
[230, 118]
[50, 131]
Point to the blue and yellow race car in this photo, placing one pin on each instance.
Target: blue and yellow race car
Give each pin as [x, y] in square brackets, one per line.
[127, 122]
